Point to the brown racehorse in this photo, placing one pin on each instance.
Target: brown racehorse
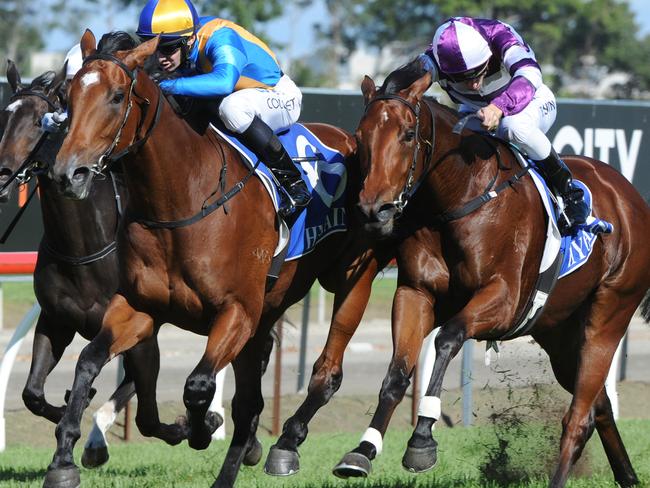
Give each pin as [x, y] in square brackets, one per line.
[77, 271]
[415, 164]
[180, 263]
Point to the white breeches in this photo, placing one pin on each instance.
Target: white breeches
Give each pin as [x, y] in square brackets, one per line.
[528, 128]
[278, 107]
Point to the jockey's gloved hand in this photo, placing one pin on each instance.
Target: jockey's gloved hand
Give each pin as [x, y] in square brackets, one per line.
[54, 121]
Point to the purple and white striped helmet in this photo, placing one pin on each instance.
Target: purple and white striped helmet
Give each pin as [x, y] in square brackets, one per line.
[460, 49]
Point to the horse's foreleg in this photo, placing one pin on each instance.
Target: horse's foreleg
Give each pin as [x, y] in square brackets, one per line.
[349, 304]
[50, 341]
[123, 327]
[607, 322]
[412, 321]
[229, 333]
[247, 404]
[484, 312]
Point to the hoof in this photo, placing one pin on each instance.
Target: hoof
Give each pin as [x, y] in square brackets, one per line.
[62, 478]
[353, 465]
[280, 462]
[94, 457]
[213, 421]
[254, 454]
[420, 459]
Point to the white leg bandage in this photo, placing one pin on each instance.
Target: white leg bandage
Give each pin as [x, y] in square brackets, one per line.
[429, 407]
[374, 437]
[102, 421]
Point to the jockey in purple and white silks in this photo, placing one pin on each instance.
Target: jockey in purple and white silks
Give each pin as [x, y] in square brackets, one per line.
[220, 61]
[486, 67]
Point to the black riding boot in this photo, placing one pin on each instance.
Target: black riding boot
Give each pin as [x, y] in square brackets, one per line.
[560, 180]
[265, 144]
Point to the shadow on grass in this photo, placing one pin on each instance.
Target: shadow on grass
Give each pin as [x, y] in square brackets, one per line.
[23, 475]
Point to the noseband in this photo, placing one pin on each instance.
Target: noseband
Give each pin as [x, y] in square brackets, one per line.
[107, 159]
[411, 184]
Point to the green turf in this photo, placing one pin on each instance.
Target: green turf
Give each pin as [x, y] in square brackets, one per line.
[19, 292]
[464, 455]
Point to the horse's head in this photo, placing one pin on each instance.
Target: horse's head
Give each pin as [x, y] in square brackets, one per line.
[110, 112]
[20, 123]
[392, 149]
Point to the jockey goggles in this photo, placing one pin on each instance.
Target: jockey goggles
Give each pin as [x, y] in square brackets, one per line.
[470, 74]
[170, 47]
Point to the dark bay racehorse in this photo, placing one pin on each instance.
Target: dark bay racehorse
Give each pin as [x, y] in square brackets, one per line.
[76, 272]
[416, 165]
[180, 262]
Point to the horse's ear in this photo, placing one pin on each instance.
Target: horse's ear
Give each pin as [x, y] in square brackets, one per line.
[88, 44]
[368, 89]
[418, 87]
[139, 55]
[13, 77]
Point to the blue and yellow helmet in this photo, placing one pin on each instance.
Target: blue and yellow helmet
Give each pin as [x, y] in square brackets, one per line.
[172, 19]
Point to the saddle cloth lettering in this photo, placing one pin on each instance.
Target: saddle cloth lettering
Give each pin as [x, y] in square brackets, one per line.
[325, 174]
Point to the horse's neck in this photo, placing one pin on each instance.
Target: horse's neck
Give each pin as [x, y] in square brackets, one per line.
[78, 227]
[459, 171]
[174, 171]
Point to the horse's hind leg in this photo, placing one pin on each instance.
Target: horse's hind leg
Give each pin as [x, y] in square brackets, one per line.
[412, 321]
[606, 324]
[96, 448]
[122, 329]
[50, 341]
[349, 304]
[562, 345]
[247, 404]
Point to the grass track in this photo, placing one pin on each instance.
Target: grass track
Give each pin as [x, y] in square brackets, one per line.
[462, 451]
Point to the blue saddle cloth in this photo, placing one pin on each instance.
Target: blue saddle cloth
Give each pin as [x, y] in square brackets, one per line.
[578, 246]
[323, 170]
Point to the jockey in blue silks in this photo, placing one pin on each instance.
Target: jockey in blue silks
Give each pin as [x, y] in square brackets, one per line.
[486, 67]
[221, 60]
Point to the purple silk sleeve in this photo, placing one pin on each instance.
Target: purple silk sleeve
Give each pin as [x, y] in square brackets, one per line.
[516, 97]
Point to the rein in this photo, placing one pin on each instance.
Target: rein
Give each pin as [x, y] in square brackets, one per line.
[411, 186]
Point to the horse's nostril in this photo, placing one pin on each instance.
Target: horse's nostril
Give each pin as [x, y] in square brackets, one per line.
[386, 212]
[5, 172]
[80, 174]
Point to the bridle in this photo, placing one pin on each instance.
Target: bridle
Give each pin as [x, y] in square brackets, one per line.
[107, 159]
[22, 173]
[411, 185]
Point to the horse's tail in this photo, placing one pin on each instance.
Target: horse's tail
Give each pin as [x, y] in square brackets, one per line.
[645, 307]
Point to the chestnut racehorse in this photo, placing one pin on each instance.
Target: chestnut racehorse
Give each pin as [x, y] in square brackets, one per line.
[187, 259]
[415, 164]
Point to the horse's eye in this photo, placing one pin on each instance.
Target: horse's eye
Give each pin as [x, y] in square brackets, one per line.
[118, 98]
[409, 135]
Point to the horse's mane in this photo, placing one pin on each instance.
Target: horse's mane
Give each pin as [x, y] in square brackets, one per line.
[403, 77]
[116, 41]
[42, 81]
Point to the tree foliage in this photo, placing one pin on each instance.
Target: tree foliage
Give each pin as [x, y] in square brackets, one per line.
[573, 36]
